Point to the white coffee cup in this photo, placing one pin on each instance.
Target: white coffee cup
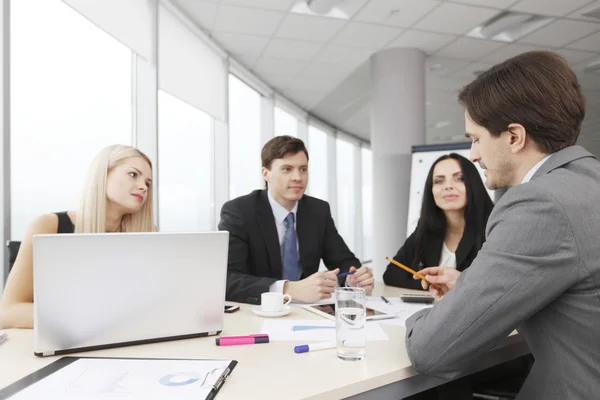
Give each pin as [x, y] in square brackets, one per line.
[273, 301]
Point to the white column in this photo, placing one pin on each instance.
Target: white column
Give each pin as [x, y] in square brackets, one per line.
[145, 107]
[221, 156]
[4, 137]
[397, 123]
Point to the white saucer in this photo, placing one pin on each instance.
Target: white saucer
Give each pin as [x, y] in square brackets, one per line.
[258, 311]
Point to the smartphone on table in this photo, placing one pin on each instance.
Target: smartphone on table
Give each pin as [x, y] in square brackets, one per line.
[231, 309]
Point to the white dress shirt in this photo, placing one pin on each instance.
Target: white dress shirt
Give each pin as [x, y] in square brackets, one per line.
[533, 170]
[280, 213]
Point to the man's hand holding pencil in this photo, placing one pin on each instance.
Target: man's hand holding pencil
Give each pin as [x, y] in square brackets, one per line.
[442, 279]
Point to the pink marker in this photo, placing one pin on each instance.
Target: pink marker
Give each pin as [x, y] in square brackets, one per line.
[238, 340]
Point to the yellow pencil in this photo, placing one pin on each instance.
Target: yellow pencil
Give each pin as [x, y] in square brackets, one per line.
[409, 270]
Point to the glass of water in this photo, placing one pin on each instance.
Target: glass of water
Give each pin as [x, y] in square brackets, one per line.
[350, 319]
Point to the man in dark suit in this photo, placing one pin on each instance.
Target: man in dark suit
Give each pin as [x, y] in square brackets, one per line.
[278, 236]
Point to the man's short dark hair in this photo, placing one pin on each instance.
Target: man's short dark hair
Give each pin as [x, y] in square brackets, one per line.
[536, 89]
[279, 147]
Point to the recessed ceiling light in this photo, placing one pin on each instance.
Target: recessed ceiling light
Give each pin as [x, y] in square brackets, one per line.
[509, 26]
[320, 8]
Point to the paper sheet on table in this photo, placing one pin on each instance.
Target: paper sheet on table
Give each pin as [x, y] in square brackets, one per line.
[402, 310]
[134, 379]
[313, 330]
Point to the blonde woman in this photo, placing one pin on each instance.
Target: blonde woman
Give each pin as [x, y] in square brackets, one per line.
[117, 198]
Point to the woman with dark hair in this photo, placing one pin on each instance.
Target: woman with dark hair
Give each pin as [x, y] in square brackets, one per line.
[451, 229]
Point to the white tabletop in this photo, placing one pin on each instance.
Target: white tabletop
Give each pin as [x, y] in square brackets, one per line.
[266, 371]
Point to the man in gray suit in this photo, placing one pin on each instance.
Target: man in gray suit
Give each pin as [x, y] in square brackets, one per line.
[539, 269]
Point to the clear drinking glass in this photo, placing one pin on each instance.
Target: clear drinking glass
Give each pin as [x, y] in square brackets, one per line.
[350, 319]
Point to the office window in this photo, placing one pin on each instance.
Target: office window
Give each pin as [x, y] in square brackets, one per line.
[317, 164]
[346, 212]
[285, 123]
[185, 143]
[70, 97]
[367, 203]
[244, 139]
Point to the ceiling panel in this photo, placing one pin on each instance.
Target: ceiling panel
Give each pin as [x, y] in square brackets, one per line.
[574, 56]
[248, 21]
[591, 43]
[321, 29]
[500, 4]
[318, 69]
[278, 66]
[508, 51]
[306, 97]
[246, 60]
[471, 70]
[366, 35]
[556, 8]
[280, 5]
[579, 13]
[560, 33]
[242, 44]
[455, 18]
[278, 81]
[396, 12]
[446, 83]
[469, 49]
[344, 54]
[312, 84]
[426, 41]
[292, 49]
[442, 66]
[201, 12]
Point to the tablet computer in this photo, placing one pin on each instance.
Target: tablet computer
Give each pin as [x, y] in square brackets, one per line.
[328, 311]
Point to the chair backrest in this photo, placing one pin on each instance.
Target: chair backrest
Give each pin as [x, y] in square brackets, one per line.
[13, 250]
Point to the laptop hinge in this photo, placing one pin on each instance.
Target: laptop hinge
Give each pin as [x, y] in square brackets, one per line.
[212, 333]
[47, 353]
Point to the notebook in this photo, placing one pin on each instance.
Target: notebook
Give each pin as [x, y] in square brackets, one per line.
[132, 378]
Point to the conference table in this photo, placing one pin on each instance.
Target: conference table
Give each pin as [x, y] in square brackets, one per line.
[273, 370]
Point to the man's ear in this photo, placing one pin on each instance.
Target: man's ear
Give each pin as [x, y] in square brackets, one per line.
[517, 136]
[265, 174]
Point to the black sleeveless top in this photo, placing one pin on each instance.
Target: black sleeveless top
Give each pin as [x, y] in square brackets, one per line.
[64, 223]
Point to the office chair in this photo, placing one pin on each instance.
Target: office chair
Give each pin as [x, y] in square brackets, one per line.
[13, 249]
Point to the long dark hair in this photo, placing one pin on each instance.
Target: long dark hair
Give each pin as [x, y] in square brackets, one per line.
[432, 223]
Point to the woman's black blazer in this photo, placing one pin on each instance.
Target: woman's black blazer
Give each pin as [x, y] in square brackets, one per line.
[395, 276]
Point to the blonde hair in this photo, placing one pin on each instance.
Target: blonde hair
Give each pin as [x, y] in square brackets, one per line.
[91, 214]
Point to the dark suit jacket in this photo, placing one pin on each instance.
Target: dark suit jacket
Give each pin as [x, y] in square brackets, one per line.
[254, 252]
[394, 276]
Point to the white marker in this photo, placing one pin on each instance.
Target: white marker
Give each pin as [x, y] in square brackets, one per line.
[314, 347]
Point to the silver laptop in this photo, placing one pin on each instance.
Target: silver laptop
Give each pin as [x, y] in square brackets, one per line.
[93, 291]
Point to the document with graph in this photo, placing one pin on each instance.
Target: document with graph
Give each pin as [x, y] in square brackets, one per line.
[123, 378]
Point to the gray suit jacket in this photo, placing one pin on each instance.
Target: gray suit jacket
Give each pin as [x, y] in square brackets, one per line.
[538, 272]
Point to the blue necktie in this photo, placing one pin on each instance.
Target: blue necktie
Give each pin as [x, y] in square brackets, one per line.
[289, 252]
